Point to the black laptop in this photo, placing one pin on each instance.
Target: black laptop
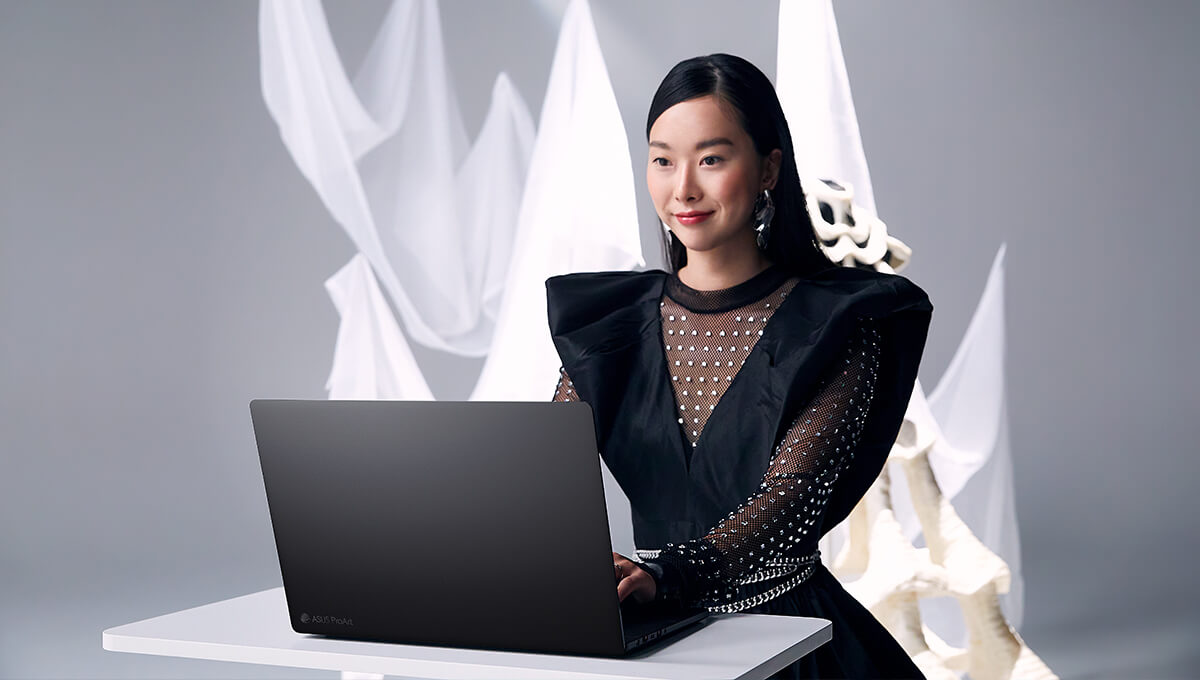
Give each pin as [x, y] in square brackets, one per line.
[464, 524]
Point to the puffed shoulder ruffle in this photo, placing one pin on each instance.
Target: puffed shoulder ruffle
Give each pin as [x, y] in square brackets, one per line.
[596, 311]
[578, 300]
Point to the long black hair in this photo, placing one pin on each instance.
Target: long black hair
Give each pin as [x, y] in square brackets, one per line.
[739, 84]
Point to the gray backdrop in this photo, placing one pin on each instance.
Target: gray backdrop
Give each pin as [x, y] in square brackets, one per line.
[162, 263]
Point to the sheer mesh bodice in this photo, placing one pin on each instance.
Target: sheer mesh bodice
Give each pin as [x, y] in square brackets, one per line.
[707, 336]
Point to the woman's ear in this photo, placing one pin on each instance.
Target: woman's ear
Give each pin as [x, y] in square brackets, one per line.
[771, 168]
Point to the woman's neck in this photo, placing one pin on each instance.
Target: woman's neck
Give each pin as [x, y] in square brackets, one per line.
[718, 269]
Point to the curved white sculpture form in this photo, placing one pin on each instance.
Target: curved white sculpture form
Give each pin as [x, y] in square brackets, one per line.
[851, 238]
[878, 562]
[894, 575]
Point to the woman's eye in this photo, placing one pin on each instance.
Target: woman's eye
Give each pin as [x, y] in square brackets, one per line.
[710, 160]
[660, 161]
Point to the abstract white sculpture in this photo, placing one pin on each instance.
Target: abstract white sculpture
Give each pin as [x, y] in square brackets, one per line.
[877, 562]
[848, 237]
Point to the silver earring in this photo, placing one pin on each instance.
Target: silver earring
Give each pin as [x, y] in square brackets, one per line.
[764, 212]
[666, 229]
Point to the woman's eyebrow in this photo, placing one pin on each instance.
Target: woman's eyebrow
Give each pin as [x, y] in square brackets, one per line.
[715, 141]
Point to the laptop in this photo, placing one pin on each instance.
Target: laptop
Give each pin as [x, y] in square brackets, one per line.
[464, 524]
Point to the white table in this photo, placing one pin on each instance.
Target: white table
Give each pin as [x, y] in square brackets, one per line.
[255, 629]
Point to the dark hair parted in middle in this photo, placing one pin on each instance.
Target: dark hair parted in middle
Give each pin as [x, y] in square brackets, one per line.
[751, 96]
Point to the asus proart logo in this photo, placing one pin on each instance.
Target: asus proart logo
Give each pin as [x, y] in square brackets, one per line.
[334, 620]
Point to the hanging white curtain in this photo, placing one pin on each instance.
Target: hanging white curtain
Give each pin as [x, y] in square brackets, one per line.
[461, 237]
[453, 232]
[384, 156]
[579, 211]
[814, 90]
[371, 359]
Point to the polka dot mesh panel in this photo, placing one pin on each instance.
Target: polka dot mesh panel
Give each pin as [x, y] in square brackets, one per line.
[705, 350]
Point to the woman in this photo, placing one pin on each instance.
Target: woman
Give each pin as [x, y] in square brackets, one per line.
[746, 400]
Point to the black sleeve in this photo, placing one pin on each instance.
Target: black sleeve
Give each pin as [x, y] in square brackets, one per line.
[788, 507]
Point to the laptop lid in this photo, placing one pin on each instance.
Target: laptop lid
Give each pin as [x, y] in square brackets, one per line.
[470, 524]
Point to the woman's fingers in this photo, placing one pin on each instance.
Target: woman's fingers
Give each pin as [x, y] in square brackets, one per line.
[637, 583]
[625, 588]
[622, 566]
[632, 580]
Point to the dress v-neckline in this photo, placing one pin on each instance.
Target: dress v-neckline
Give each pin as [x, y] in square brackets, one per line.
[683, 444]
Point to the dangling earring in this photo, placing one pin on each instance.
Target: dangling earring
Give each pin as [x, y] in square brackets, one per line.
[764, 212]
[666, 229]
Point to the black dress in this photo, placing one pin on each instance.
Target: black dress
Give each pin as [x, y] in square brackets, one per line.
[745, 423]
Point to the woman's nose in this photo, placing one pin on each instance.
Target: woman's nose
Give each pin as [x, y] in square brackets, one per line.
[686, 189]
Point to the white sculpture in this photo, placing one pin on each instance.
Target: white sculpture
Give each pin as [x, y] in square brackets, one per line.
[850, 238]
[878, 563]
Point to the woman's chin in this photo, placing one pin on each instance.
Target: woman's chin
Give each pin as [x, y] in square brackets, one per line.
[696, 245]
[697, 240]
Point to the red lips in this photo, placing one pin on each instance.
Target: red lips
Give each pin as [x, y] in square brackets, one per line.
[693, 216]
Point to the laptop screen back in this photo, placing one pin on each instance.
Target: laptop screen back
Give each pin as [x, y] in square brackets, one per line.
[470, 524]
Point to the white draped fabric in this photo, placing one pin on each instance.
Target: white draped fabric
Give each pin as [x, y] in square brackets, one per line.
[971, 461]
[578, 212]
[461, 236]
[814, 90]
[387, 156]
[372, 360]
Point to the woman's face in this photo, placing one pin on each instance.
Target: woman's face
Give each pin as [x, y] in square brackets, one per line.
[704, 174]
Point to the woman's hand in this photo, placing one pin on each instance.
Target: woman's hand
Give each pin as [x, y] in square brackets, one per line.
[632, 580]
